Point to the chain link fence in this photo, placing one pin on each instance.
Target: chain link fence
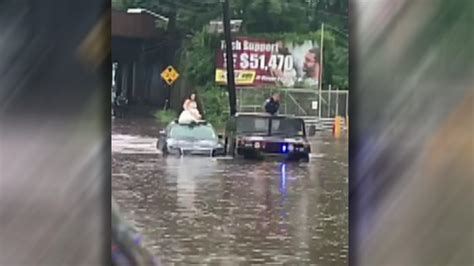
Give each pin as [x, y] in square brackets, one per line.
[304, 103]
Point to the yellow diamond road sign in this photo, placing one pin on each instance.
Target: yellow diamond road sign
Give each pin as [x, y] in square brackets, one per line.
[170, 75]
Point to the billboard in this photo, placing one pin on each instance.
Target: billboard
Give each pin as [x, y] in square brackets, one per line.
[263, 63]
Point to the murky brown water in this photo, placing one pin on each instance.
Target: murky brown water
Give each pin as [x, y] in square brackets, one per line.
[224, 211]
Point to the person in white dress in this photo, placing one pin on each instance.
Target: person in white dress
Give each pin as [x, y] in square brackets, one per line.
[190, 113]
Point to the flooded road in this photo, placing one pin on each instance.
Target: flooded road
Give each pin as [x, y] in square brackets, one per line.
[229, 212]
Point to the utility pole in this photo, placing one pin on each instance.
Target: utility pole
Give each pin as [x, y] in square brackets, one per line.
[230, 58]
[321, 70]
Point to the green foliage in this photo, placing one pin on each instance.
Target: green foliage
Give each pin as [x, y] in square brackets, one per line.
[119, 4]
[123, 5]
[216, 105]
[337, 67]
[262, 16]
[165, 117]
[200, 61]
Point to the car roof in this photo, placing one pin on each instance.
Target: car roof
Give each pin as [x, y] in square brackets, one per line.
[175, 122]
[203, 123]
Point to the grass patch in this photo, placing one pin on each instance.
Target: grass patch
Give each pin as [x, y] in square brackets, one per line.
[165, 117]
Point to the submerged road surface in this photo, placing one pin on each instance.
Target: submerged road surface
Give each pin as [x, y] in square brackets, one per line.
[229, 212]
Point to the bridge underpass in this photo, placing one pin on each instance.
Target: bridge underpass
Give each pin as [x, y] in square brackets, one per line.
[140, 52]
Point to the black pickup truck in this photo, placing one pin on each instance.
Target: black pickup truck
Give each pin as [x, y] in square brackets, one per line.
[260, 135]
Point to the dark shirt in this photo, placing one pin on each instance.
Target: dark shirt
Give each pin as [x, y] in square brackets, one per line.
[272, 106]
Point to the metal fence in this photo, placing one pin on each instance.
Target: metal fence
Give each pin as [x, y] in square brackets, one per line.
[304, 103]
[334, 103]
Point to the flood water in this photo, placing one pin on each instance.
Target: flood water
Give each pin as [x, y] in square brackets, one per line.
[232, 212]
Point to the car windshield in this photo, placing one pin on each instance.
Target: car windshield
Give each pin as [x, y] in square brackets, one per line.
[253, 125]
[198, 132]
[288, 127]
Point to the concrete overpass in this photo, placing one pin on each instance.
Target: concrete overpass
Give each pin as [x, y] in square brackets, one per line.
[142, 51]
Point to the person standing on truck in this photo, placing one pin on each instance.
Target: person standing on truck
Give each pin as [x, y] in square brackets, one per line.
[272, 104]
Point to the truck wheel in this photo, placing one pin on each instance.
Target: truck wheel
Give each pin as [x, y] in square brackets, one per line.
[305, 158]
[232, 148]
[226, 145]
[165, 150]
[252, 156]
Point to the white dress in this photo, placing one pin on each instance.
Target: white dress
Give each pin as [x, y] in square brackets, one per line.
[190, 113]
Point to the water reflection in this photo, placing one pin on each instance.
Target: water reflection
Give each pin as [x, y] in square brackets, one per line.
[187, 173]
